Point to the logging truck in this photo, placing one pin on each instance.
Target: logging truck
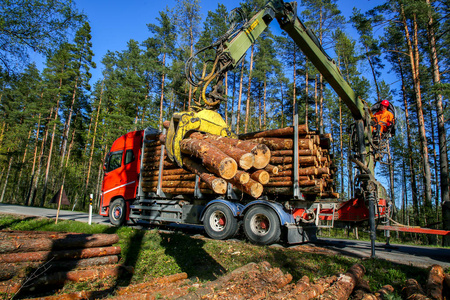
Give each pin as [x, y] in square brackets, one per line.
[274, 184]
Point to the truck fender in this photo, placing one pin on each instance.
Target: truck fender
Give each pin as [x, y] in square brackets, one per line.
[285, 218]
[236, 208]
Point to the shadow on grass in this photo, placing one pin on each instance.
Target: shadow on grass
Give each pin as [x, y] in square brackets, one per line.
[11, 223]
[190, 256]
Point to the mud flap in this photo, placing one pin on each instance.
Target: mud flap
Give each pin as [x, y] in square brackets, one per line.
[298, 234]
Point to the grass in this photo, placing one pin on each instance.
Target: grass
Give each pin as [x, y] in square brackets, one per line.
[154, 253]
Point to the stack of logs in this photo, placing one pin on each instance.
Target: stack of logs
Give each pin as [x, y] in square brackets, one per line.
[56, 257]
[254, 163]
[316, 169]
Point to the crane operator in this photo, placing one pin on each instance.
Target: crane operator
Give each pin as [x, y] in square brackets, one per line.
[383, 117]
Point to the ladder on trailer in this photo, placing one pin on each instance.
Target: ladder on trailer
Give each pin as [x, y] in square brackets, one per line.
[322, 222]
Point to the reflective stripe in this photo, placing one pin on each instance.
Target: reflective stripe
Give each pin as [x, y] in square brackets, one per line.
[118, 187]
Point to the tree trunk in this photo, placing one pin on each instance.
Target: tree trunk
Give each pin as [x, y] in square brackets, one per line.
[72, 140]
[282, 104]
[161, 100]
[91, 155]
[306, 92]
[341, 146]
[316, 98]
[241, 81]
[6, 178]
[294, 84]
[443, 153]
[68, 122]
[414, 59]
[49, 159]
[34, 183]
[264, 103]
[18, 185]
[410, 148]
[247, 109]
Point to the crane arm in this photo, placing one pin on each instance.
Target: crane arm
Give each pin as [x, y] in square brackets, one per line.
[286, 15]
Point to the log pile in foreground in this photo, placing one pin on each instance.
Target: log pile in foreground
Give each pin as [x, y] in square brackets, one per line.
[437, 286]
[252, 281]
[57, 257]
[256, 163]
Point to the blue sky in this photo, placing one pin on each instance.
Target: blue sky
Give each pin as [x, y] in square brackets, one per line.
[114, 22]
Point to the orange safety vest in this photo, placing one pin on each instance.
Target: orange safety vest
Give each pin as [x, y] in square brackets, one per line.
[384, 119]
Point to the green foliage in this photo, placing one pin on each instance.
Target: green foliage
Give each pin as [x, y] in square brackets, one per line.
[34, 25]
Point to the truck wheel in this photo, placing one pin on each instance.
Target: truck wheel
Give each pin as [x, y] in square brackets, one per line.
[261, 225]
[117, 212]
[219, 222]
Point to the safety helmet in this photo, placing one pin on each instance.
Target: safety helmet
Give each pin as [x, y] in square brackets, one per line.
[385, 103]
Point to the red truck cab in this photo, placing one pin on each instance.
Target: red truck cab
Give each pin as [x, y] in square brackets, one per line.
[122, 168]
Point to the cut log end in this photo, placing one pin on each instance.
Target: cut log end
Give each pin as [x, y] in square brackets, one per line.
[228, 168]
[247, 161]
[219, 186]
[262, 156]
[261, 176]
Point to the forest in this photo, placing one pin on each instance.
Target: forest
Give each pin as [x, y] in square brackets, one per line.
[57, 125]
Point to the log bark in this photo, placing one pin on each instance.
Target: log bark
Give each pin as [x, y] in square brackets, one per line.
[170, 177]
[260, 151]
[435, 282]
[215, 160]
[302, 160]
[10, 234]
[261, 176]
[271, 169]
[21, 269]
[58, 255]
[316, 289]
[301, 152]
[413, 290]
[177, 171]
[289, 178]
[180, 184]
[345, 284]
[241, 177]
[178, 191]
[244, 159]
[155, 165]
[252, 188]
[43, 244]
[302, 130]
[384, 291]
[301, 285]
[218, 185]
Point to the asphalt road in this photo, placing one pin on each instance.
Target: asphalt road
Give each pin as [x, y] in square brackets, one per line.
[409, 255]
[51, 213]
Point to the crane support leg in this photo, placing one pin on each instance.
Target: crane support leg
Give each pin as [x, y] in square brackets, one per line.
[370, 196]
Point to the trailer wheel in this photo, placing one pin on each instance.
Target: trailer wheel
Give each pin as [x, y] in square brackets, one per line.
[219, 222]
[117, 212]
[262, 225]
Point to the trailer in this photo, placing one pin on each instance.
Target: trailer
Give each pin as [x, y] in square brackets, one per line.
[133, 190]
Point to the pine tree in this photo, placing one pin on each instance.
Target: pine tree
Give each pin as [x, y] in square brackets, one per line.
[39, 26]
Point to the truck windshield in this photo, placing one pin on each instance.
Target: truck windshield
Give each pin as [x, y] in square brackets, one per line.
[115, 161]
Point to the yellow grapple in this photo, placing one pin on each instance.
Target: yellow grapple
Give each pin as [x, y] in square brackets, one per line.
[207, 121]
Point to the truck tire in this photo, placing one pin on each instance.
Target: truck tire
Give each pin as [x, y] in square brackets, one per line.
[219, 222]
[117, 212]
[262, 225]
